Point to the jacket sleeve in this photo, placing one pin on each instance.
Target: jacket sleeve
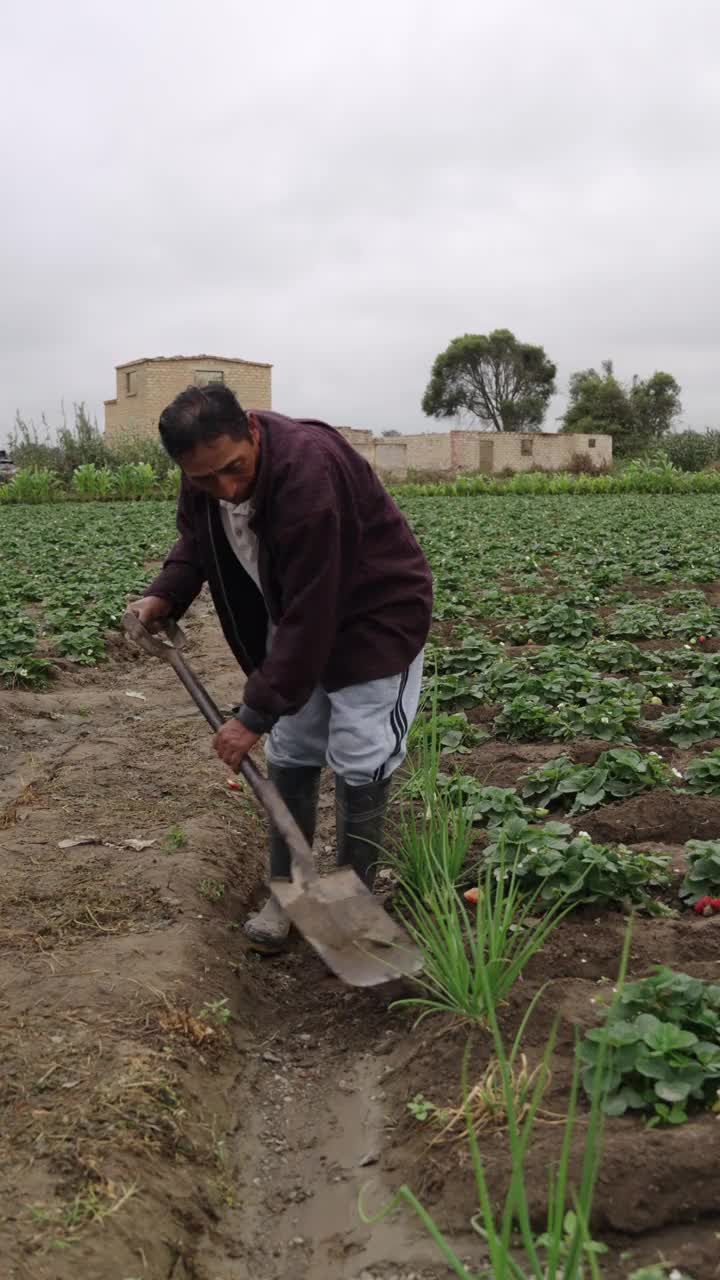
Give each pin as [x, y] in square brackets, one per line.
[311, 561]
[183, 573]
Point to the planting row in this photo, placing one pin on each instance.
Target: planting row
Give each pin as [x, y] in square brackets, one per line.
[129, 482]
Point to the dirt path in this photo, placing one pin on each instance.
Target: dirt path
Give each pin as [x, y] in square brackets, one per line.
[174, 1106]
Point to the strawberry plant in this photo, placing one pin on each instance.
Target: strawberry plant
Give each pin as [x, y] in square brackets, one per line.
[703, 774]
[696, 720]
[528, 717]
[620, 656]
[702, 878]
[701, 669]
[467, 658]
[481, 805]
[664, 1037]
[555, 864]
[575, 787]
[24, 673]
[487, 806]
[557, 623]
[610, 719]
[455, 734]
[684, 599]
[696, 622]
[644, 621]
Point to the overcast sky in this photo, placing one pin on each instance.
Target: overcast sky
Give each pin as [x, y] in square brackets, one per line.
[341, 188]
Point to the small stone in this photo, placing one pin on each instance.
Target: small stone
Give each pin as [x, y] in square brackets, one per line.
[271, 1057]
[297, 1240]
[370, 1157]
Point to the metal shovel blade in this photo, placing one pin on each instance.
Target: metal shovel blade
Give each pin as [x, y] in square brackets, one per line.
[349, 928]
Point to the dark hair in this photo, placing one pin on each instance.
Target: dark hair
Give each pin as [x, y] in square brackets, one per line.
[200, 414]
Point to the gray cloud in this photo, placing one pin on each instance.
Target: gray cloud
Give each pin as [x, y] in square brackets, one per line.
[342, 189]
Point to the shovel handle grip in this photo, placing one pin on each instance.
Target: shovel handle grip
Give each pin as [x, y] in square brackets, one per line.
[272, 802]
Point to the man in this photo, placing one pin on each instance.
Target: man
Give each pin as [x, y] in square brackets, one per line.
[325, 599]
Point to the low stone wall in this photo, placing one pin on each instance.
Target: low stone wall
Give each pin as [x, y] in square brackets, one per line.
[454, 452]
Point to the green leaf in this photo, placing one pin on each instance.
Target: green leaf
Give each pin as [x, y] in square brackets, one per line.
[665, 1038]
[672, 1090]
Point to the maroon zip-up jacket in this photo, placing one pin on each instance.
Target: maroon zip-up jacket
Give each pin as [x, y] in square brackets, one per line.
[343, 579]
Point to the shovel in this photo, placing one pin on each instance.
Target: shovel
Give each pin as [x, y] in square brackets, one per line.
[337, 913]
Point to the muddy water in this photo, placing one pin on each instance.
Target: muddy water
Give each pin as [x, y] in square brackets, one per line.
[308, 1155]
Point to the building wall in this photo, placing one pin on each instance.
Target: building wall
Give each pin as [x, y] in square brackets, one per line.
[154, 383]
[455, 452]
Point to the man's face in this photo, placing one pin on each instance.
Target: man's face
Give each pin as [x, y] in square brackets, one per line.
[224, 468]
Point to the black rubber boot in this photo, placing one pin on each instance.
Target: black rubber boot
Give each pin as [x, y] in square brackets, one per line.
[299, 788]
[360, 821]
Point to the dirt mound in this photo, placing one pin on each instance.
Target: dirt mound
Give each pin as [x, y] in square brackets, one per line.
[668, 816]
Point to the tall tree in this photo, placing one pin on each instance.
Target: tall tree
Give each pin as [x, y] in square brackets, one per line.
[655, 404]
[634, 415]
[505, 385]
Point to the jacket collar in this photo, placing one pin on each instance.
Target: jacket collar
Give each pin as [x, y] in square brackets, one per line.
[262, 484]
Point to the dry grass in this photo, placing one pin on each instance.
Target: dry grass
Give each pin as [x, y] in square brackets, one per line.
[28, 795]
[94, 1202]
[486, 1103]
[183, 1023]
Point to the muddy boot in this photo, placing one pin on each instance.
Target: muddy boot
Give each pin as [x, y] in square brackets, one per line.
[360, 820]
[299, 788]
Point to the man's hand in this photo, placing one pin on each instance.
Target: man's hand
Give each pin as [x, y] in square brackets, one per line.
[233, 742]
[152, 611]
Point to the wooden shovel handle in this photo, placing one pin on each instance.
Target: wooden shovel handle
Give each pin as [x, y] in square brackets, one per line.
[266, 792]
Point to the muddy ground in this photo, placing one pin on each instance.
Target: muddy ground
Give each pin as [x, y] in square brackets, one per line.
[176, 1108]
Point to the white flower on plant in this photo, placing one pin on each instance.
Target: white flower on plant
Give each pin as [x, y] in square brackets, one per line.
[676, 772]
[604, 720]
[585, 834]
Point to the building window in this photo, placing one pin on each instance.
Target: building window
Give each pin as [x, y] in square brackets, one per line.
[209, 377]
[526, 448]
[591, 442]
[131, 382]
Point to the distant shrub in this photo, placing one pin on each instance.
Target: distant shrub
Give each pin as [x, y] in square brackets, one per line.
[693, 450]
[81, 443]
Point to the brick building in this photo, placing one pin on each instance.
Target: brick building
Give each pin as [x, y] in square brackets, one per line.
[144, 387]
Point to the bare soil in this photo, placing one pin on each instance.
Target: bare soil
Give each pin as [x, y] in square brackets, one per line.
[147, 1134]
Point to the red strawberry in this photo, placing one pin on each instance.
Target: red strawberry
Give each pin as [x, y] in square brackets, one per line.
[707, 906]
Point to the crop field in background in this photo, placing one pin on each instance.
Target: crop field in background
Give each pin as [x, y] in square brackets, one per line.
[568, 750]
[67, 572]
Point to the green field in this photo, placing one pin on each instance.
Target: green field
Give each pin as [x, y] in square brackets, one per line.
[66, 575]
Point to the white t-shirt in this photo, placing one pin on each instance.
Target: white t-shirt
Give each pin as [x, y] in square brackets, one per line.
[241, 537]
[244, 543]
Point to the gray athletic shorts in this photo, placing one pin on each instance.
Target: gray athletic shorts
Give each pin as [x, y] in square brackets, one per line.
[360, 731]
